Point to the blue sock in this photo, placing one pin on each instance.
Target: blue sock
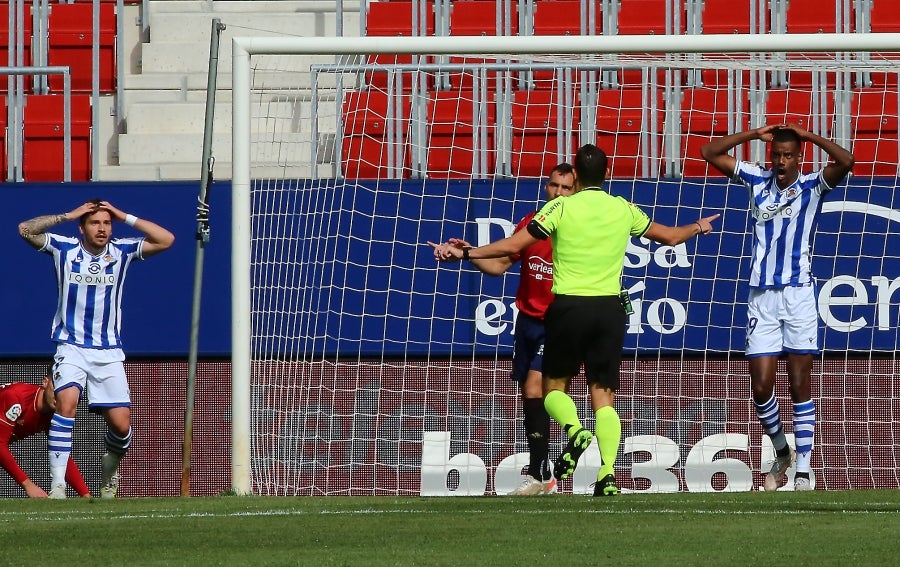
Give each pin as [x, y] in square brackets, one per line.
[769, 415]
[59, 447]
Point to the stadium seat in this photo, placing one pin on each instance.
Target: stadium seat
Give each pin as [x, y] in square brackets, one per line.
[726, 18]
[451, 138]
[645, 17]
[386, 19]
[535, 138]
[477, 18]
[365, 149]
[811, 16]
[874, 132]
[70, 42]
[704, 116]
[563, 17]
[795, 106]
[620, 128]
[44, 131]
[884, 18]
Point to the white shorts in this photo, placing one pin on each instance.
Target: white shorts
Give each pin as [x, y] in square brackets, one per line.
[99, 370]
[782, 320]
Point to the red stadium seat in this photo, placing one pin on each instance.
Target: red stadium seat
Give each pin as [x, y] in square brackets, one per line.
[451, 140]
[884, 18]
[874, 132]
[70, 42]
[795, 106]
[564, 17]
[704, 116]
[44, 131]
[811, 16]
[621, 126]
[478, 18]
[536, 133]
[365, 149]
[726, 18]
[645, 17]
[385, 19]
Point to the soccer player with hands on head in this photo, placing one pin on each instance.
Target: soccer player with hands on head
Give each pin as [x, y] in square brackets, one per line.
[782, 314]
[532, 299]
[90, 272]
[585, 323]
[25, 409]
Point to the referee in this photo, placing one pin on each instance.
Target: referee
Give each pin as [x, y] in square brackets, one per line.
[586, 322]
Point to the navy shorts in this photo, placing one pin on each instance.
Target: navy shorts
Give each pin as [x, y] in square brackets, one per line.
[589, 331]
[528, 347]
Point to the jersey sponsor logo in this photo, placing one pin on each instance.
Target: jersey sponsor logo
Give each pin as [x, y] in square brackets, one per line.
[540, 268]
[14, 412]
[91, 279]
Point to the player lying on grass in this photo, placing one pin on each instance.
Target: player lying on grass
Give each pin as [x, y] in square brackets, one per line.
[25, 409]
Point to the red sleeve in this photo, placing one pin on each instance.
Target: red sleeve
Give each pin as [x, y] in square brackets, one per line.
[7, 461]
[522, 224]
[74, 478]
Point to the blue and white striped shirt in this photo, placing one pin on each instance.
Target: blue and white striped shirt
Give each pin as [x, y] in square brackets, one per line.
[783, 221]
[88, 311]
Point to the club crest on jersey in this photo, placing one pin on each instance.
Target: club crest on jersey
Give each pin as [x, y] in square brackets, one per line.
[14, 412]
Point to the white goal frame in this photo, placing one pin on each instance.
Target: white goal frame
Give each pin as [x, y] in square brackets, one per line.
[243, 48]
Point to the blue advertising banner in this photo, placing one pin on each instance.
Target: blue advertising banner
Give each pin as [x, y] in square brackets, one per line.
[351, 272]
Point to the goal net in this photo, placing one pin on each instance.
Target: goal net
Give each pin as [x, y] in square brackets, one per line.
[361, 366]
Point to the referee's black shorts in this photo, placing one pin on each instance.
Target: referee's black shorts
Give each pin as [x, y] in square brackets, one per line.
[585, 330]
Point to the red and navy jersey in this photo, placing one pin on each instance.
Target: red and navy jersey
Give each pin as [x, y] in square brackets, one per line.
[536, 280]
[19, 418]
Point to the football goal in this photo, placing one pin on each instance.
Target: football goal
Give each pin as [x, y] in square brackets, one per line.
[360, 366]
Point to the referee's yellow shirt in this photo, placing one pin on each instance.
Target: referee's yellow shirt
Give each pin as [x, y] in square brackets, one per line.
[589, 232]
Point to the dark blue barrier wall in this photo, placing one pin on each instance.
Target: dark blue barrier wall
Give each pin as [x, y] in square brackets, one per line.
[157, 300]
[383, 310]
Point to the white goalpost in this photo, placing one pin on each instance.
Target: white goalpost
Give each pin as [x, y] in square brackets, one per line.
[359, 366]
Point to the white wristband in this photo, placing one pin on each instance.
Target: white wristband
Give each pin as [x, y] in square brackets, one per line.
[130, 220]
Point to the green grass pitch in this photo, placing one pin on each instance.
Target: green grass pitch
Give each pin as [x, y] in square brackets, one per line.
[812, 528]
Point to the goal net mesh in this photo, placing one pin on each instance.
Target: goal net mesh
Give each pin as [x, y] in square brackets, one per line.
[377, 371]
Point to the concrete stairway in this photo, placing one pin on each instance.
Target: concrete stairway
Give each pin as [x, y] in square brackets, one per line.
[165, 92]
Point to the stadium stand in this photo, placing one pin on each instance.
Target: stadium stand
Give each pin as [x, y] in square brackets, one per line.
[160, 128]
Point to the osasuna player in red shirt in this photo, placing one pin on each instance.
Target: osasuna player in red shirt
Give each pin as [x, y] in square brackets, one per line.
[25, 409]
[532, 299]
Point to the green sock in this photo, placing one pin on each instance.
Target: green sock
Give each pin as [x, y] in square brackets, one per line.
[562, 409]
[609, 434]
